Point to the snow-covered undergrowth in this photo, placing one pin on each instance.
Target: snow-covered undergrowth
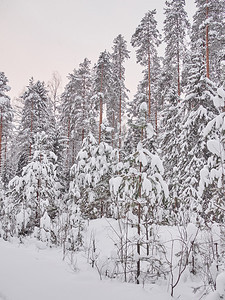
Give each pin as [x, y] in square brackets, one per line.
[31, 270]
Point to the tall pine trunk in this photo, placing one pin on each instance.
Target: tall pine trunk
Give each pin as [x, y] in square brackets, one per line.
[31, 126]
[1, 125]
[207, 40]
[5, 159]
[120, 122]
[68, 158]
[83, 109]
[139, 222]
[100, 119]
[120, 110]
[178, 60]
[149, 86]
[113, 126]
[68, 142]
[101, 107]
[138, 243]
[38, 211]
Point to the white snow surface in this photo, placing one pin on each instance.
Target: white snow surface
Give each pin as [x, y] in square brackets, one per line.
[150, 131]
[214, 146]
[33, 271]
[220, 284]
[115, 183]
[220, 288]
[143, 106]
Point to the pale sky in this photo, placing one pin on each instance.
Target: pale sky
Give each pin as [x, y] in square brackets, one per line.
[42, 36]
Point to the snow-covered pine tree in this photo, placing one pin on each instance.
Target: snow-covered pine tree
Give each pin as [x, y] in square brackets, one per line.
[156, 92]
[139, 190]
[119, 55]
[77, 190]
[84, 91]
[175, 29]
[91, 175]
[69, 107]
[134, 131]
[36, 117]
[146, 39]
[6, 116]
[212, 175]
[209, 28]
[170, 145]
[77, 115]
[2, 209]
[167, 89]
[197, 111]
[33, 194]
[105, 89]
[176, 25]
[133, 135]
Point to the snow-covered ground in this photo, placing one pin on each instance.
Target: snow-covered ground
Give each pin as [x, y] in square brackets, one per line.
[32, 271]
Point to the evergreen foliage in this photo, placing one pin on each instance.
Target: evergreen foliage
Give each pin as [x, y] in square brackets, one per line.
[212, 175]
[6, 116]
[91, 174]
[33, 194]
[197, 111]
[176, 25]
[36, 117]
[146, 39]
[119, 55]
[71, 163]
[209, 21]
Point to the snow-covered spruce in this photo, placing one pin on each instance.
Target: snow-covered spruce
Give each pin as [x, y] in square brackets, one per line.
[32, 196]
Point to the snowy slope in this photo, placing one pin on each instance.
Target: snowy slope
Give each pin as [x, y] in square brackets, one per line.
[30, 273]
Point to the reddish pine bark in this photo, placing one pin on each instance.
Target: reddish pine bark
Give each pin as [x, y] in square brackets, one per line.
[113, 126]
[6, 143]
[38, 212]
[100, 120]
[139, 221]
[101, 104]
[156, 117]
[120, 110]
[84, 93]
[73, 153]
[1, 140]
[120, 122]
[178, 61]
[138, 243]
[139, 231]
[31, 126]
[207, 41]
[68, 141]
[149, 87]
[82, 134]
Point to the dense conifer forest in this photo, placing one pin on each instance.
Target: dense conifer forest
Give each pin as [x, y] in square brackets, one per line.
[154, 161]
